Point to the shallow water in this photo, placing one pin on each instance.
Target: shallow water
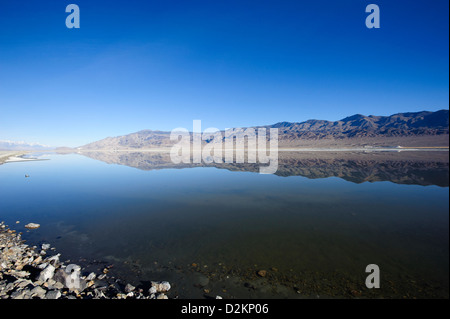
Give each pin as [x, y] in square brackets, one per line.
[208, 230]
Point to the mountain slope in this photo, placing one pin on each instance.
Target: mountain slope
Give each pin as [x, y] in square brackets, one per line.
[417, 129]
[413, 129]
[428, 123]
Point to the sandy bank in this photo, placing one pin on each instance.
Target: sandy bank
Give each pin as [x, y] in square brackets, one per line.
[8, 156]
[11, 157]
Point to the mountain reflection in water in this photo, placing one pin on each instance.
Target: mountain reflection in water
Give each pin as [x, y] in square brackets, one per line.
[406, 167]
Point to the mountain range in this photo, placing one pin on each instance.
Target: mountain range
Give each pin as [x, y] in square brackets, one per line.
[6, 145]
[413, 129]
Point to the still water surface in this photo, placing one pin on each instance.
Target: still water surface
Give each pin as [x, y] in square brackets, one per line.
[209, 231]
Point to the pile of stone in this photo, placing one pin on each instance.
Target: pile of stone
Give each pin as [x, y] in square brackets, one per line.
[32, 273]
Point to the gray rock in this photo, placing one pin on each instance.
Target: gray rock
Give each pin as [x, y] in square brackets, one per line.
[54, 259]
[162, 286]
[152, 291]
[100, 285]
[19, 274]
[42, 266]
[99, 294]
[22, 283]
[58, 285]
[37, 260]
[162, 296]
[10, 286]
[129, 288]
[38, 292]
[53, 294]
[101, 277]
[47, 273]
[18, 294]
[51, 281]
[91, 276]
[70, 278]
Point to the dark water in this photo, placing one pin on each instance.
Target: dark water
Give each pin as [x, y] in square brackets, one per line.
[314, 227]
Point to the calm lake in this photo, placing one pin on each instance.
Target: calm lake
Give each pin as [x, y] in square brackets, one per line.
[313, 227]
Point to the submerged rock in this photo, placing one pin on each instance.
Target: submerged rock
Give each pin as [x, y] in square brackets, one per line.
[203, 281]
[32, 226]
[262, 273]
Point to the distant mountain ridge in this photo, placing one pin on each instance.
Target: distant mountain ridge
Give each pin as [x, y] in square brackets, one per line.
[21, 146]
[355, 128]
[419, 129]
[398, 124]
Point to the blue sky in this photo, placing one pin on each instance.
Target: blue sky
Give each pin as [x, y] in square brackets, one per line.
[161, 64]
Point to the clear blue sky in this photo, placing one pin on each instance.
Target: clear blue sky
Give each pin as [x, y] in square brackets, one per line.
[161, 64]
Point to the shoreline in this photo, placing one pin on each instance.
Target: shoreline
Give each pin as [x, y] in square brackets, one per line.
[16, 157]
[281, 149]
[6, 156]
[31, 272]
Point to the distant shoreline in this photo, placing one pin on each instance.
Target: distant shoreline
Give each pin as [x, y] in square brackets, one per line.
[366, 149]
[284, 149]
[17, 156]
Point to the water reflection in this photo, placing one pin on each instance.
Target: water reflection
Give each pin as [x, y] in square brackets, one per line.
[412, 168]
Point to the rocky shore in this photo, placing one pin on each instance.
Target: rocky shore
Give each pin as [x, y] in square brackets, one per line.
[31, 272]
